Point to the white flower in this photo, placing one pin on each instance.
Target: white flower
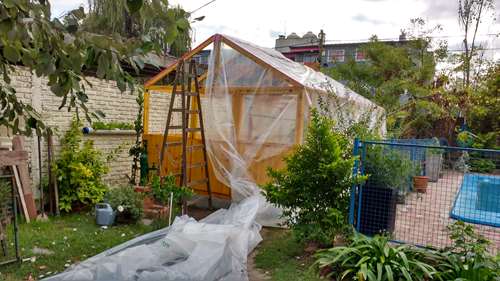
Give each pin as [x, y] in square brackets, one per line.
[120, 208]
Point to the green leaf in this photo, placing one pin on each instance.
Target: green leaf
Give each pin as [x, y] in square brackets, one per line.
[11, 53]
[182, 23]
[390, 275]
[134, 5]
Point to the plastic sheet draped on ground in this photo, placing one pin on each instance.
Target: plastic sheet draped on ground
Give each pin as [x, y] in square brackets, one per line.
[215, 248]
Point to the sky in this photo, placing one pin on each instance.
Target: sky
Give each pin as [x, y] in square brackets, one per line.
[261, 21]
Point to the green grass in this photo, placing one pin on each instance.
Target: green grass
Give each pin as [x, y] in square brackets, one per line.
[283, 257]
[72, 238]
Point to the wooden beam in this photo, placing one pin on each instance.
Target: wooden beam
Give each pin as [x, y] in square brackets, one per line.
[145, 115]
[167, 89]
[237, 110]
[24, 177]
[173, 66]
[12, 158]
[299, 119]
[265, 90]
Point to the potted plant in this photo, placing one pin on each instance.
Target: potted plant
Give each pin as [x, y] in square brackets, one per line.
[420, 183]
[126, 203]
[158, 194]
[389, 178]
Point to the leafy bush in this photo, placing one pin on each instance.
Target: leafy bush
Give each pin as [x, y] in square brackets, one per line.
[161, 190]
[98, 125]
[388, 168]
[126, 202]
[467, 258]
[79, 170]
[313, 189]
[482, 165]
[374, 259]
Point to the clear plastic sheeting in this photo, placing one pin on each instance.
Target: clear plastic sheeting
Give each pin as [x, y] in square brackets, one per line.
[215, 248]
[256, 107]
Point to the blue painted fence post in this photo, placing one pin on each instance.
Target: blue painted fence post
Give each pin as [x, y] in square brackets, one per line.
[352, 203]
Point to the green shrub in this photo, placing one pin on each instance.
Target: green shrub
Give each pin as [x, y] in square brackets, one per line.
[467, 258]
[313, 189]
[161, 191]
[482, 165]
[388, 168]
[98, 125]
[79, 170]
[374, 259]
[127, 202]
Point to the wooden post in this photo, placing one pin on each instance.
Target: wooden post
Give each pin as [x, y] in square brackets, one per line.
[24, 178]
[145, 116]
[299, 119]
[237, 109]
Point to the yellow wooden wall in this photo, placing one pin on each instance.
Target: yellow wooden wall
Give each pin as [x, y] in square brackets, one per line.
[171, 164]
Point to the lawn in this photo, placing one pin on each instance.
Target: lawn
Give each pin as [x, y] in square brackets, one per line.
[76, 237]
[71, 238]
[282, 258]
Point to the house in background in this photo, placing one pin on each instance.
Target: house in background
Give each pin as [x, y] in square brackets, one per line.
[305, 49]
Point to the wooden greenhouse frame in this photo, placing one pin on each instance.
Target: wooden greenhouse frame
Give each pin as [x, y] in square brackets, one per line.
[293, 87]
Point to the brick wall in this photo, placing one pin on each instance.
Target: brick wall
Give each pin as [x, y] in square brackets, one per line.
[104, 96]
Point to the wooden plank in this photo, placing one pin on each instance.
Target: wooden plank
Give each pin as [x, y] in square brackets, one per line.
[265, 90]
[145, 115]
[21, 195]
[185, 57]
[24, 177]
[12, 158]
[167, 89]
[299, 119]
[237, 110]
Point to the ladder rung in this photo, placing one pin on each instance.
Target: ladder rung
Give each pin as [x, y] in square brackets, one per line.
[198, 182]
[173, 143]
[175, 127]
[193, 129]
[195, 146]
[198, 165]
[195, 111]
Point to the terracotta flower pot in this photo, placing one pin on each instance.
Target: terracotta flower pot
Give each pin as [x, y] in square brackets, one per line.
[420, 183]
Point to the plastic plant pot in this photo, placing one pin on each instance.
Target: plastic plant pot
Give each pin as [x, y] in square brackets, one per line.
[420, 183]
[378, 210]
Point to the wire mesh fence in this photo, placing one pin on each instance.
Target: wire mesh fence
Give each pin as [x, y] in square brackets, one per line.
[415, 190]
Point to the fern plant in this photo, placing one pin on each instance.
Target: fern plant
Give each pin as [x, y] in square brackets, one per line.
[375, 259]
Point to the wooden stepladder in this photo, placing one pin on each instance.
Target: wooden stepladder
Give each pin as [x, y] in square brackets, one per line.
[186, 88]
